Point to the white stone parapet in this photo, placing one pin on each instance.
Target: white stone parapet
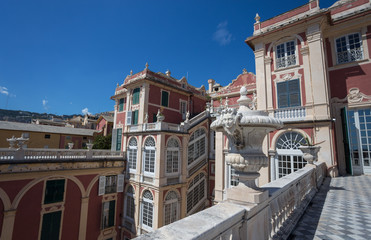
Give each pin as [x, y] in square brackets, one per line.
[56, 154]
[290, 114]
[274, 218]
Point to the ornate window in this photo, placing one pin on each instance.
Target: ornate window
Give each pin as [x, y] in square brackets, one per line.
[164, 98]
[149, 155]
[288, 94]
[349, 48]
[132, 153]
[121, 104]
[147, 209]
[130, 205]
[108, 214]
[196, 146]
[172, 156]
[171, 208]
[196, 194]
[289, 156]
[285, 54]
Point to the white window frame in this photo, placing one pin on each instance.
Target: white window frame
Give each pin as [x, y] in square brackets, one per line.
[147, 203]
[289, 150]
[191, 187]
[348, 51]
[194, 142]
[134, 150]
[173, 204]
[145, 149]
[286, 56]
[172, 149]
[182, 110]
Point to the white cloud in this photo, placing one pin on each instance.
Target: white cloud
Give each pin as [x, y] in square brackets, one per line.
[222, 34]
[85, 111]
[4, 90]
[45, 104]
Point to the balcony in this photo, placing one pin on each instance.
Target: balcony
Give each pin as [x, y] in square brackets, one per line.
[274, 218]
[157, 126]
[290, 114]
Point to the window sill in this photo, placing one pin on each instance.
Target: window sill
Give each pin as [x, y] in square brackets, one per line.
[348, 64]
[287, 68]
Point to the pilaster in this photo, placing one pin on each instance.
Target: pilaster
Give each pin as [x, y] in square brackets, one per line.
[219, 166]
[83, 217]
[261, 87]
[8, 224]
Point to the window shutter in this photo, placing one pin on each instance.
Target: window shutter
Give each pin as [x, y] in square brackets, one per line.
[102, 185]
[111, 215]
[282, 95]
[165, 99]
[128, 118]
[120, 182]
[134, 117]
[114, 139]
[119, 137]
[294, 93]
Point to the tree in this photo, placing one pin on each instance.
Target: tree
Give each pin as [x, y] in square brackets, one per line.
[102, 142]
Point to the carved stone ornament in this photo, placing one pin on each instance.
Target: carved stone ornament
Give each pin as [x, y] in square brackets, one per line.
[355, 96]
[246, 130]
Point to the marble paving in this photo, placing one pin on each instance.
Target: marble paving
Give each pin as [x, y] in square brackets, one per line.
[340, 210]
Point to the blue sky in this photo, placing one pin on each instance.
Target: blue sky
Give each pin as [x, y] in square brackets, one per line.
[66, 56]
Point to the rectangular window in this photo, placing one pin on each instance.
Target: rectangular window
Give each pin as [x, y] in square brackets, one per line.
[121, 104]
[119, 137]
[349, 48]
[47, 136]
[51, 226]
[108, 214]
[111, 184]
[54, 191]
[285, 54]
[164, 98]
[136, 94]
[288, 94]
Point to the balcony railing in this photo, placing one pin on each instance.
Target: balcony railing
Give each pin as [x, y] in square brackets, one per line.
[274, 218]
[56, 154]
[157, 126]
[290, 114]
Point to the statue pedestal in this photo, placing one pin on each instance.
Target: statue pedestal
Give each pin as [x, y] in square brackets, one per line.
[244, 195]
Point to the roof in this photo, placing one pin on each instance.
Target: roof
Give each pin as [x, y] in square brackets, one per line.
[16, 126]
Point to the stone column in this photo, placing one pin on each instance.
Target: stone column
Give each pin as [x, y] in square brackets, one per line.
[8, 224]
[268, 81]
[219, 166]
[83, 217]
[261, 87]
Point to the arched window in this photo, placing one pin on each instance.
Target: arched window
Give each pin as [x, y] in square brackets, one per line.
[289, 157]
[286, 54]
[130, 206]
[171, 207]
[196, 194]
[172, 156]
[196, 146]
[149, 155]
[147, 209]
[132, 153]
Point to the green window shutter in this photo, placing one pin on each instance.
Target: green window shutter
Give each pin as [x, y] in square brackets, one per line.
[294, 93]
[136, 93]
[134, 117]
[54, 191]
[288, 94]
[154, 117]
[51, 226]
[119, 137]
[164, 99]
[121, 104]
[282, 95]
[111, 219]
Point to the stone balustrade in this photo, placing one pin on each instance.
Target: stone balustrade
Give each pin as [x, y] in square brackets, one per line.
[274, 218]
[157, 126]
[56, 154]
[290, 114]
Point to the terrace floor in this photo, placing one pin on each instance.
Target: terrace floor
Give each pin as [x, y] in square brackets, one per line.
[340, 210]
